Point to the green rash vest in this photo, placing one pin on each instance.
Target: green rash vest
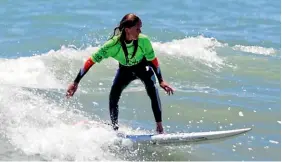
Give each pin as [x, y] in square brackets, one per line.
[112, 48]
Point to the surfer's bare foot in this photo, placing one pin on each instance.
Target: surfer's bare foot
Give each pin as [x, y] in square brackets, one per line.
[159, 127]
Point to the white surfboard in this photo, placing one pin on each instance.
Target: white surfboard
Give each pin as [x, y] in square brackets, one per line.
[184, 137]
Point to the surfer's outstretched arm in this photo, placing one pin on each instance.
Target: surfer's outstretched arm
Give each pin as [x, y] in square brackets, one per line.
[87, 65]
[155, 65]
[73, 87]
[96, 57]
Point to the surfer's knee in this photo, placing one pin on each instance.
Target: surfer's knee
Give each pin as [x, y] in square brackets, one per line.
[151, 90]
[150, 85]
[115, 92]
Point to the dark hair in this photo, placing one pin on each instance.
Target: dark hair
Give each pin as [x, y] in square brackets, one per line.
[128, 21]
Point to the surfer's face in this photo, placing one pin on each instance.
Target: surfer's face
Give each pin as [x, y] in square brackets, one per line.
[133, 32]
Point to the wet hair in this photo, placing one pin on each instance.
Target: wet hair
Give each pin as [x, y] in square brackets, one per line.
[128, 21]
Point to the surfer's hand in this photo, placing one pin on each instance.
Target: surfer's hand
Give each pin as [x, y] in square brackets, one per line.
[71, 89]
[159, 127]
[166, 87]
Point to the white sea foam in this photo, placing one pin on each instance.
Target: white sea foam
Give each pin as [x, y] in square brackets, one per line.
[255, 49]
[198, 48]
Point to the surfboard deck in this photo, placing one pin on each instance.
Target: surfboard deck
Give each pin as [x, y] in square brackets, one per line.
[171, 137]
[183, 137]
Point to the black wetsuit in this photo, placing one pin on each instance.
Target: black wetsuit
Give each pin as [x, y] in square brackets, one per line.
[126, 74]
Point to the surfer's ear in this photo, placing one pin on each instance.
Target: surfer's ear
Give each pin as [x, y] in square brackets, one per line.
[126, 30]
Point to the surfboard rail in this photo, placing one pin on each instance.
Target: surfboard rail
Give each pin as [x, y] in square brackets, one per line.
[185, 137]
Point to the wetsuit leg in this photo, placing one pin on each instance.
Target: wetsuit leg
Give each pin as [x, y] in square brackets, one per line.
[146, 75]
[122, 79]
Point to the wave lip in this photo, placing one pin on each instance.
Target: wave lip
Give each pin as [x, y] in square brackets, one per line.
[198, 48]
